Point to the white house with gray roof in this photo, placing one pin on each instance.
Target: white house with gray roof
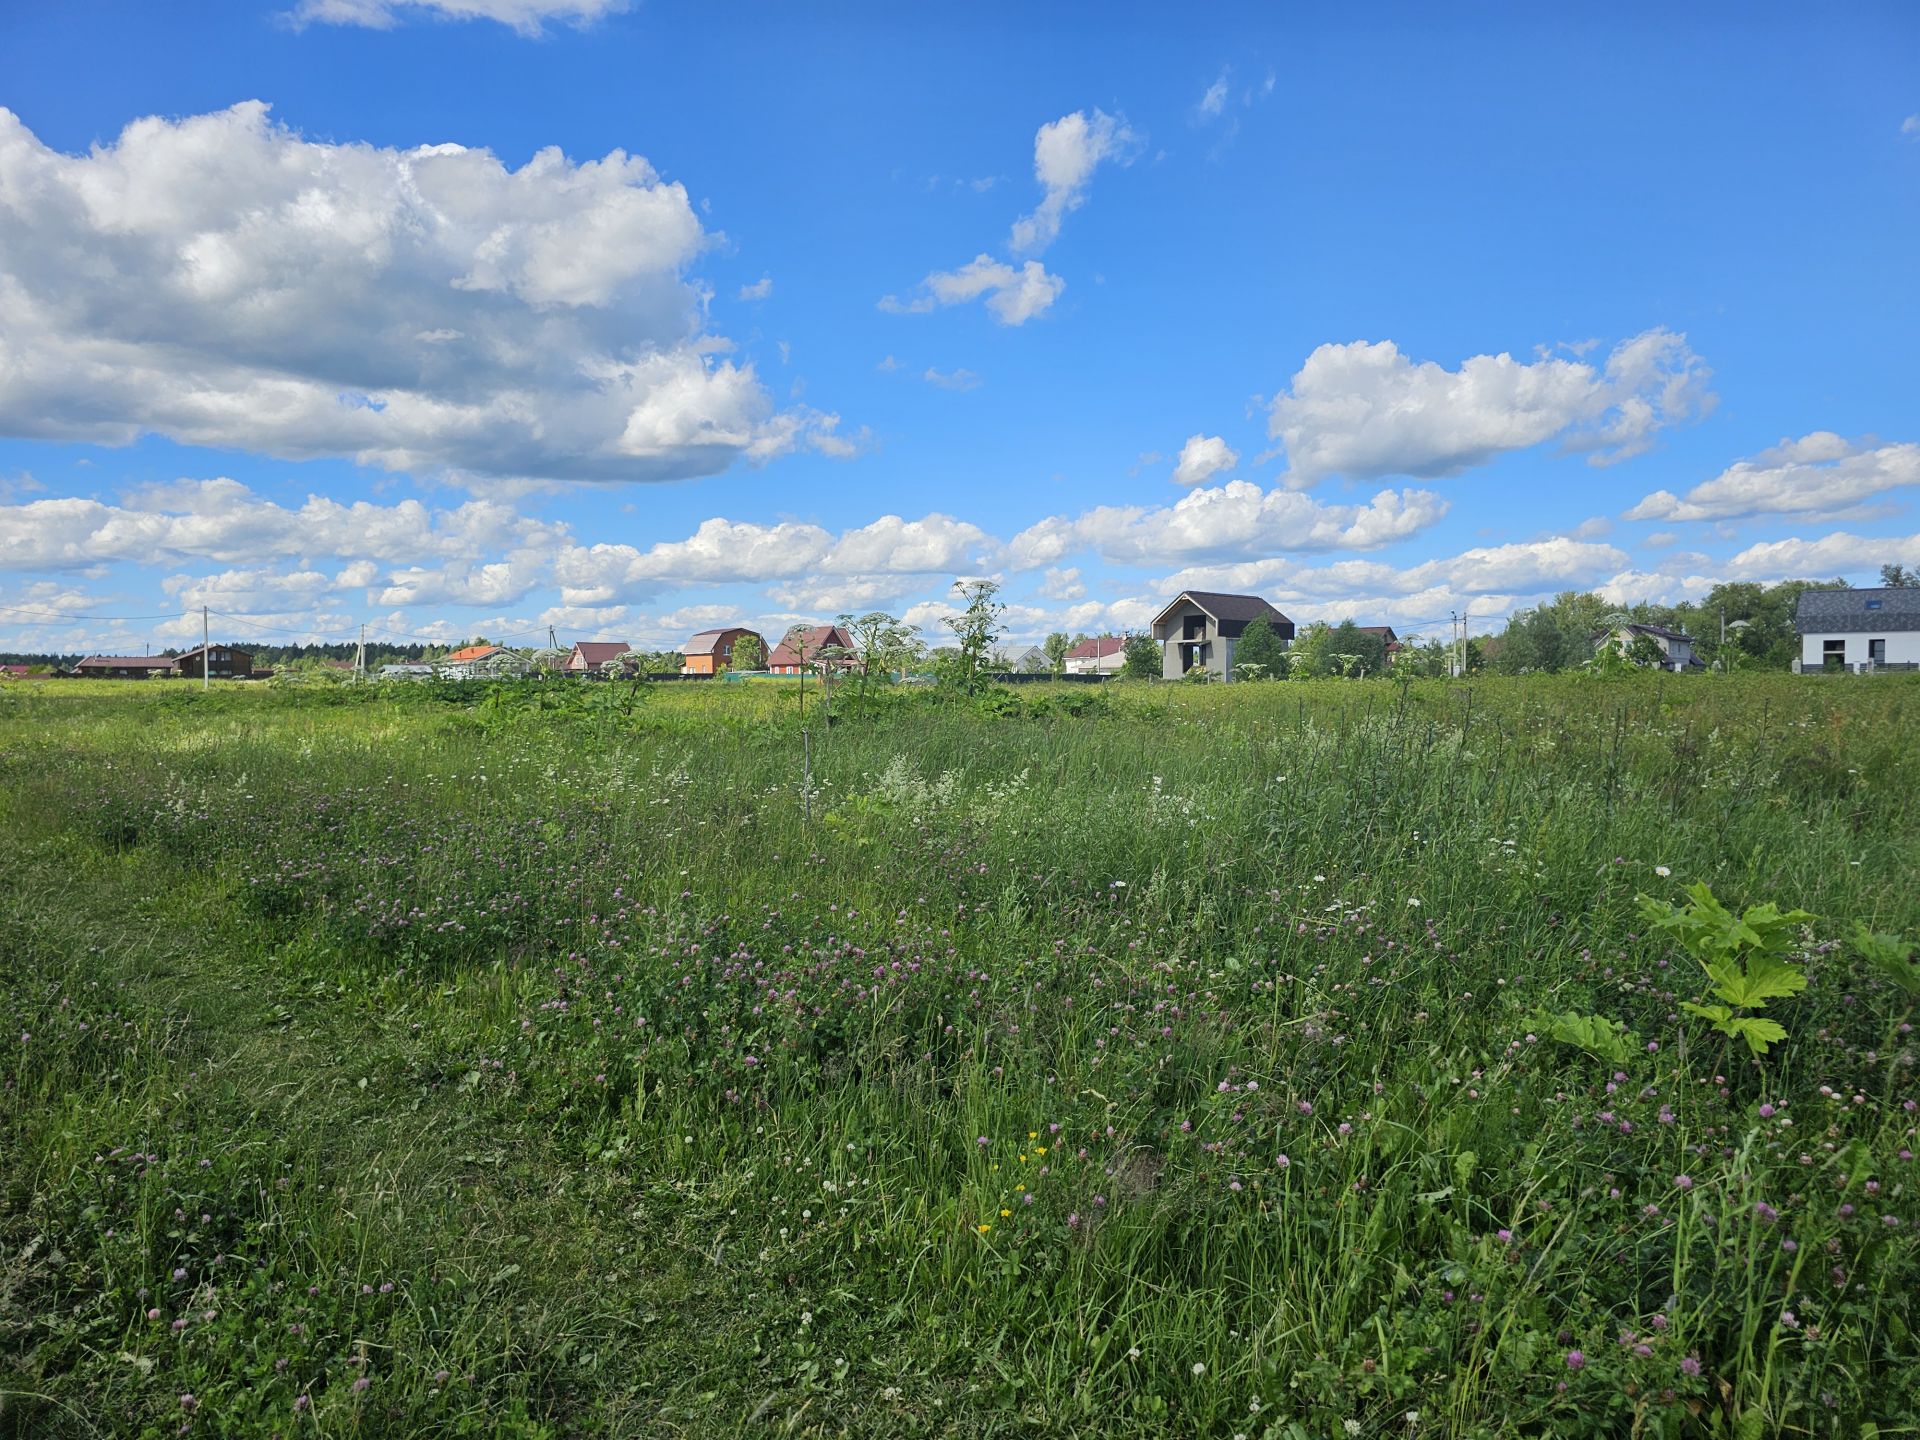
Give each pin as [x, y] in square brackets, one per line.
[1858, 629]
[1200, 629]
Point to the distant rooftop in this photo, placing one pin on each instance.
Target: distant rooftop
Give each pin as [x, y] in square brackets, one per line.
[1834, 612]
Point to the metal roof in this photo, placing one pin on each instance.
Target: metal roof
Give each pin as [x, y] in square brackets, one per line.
[1233, 613]
[1837, 612]
[708, 641]
[126, 662]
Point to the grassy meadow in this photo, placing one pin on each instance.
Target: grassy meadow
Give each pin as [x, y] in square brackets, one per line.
[1144, 1061]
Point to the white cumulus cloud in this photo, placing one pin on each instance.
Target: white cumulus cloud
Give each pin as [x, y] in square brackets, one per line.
[1013, 296]
[1522, 567]
[1203, 457]
[1819, 472]
[224, 521]
[1066, 152]
[223, 281]
[724, 551]
[1826, 556]
[1222, 524]
[1366, 410]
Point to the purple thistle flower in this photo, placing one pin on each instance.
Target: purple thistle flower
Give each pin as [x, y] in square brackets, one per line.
[1576, 1360]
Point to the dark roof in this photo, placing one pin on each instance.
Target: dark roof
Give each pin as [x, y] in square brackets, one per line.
[126, 662]
[1098, 647]
[813, 638]
[598, 652]
[230, 649]
[1233, 607]
[1835, 612]
[1234, 612]
[1385, 632]
[1636, 628]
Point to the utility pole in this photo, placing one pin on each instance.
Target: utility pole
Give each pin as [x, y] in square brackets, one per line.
[206, 653]
[1453, 640]
[360, 657]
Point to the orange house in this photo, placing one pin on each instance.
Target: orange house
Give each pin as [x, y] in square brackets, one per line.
[711, 651]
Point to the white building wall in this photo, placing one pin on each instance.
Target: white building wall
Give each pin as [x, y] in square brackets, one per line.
[1903, 647]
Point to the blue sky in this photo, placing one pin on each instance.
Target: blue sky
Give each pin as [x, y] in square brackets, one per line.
[479, 316]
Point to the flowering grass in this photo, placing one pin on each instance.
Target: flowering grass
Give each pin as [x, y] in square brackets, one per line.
[1274, 1060]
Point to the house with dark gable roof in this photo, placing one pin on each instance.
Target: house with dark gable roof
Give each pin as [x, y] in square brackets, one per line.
[1387, 638]
[124, 667]
[807, 647]
[588, 656]
[1676, 648]
[1858, 629]
[1199, 630]
[222, 662]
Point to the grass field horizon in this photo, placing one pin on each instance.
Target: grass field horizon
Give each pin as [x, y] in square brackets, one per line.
[1267, 1060]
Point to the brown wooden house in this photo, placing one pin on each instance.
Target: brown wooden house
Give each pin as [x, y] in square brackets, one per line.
[221, 662]
[804, 642]
[124, 667]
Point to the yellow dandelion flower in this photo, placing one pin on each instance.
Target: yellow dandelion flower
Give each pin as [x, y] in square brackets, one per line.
[1033, 1134]
[1039, 1149]
[1005, 1213]
[983, 1227]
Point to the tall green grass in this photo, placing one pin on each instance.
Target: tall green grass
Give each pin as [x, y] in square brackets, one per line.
[1152, 1060]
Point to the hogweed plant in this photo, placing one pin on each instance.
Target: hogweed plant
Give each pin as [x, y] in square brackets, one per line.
[1600, 1037]
[1743, 955]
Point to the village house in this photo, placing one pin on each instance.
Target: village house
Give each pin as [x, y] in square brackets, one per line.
[589, 657]
[799, 647]
[124, 667]
[711, 651]
[1102, 655]
[1199, 630]
[222, 662]
[482, 662]
[1676, 649]
[1385, 632]
[15, 672]
[1858, 629]
[1022, 659]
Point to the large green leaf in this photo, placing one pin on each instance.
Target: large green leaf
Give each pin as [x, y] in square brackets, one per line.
[1765, 979]
[1757, 1031]
[1888, 955]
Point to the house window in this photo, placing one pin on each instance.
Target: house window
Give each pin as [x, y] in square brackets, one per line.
[1877, 651]
[1833, 654]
